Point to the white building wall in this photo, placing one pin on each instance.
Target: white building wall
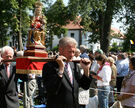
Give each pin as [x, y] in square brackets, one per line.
[76, 34]
[55, 41]
[116, 40]
[85, 37]
[92, 46]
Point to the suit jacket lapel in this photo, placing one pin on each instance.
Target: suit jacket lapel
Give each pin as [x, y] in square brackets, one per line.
[73, 73]
[3, 72]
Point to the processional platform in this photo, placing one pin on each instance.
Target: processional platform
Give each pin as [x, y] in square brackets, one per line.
[35, 45]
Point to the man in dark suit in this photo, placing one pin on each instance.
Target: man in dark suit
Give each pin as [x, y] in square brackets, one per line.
[8, 94]
[63, 79]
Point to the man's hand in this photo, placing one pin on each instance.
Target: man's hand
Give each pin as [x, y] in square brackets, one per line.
[59, 60]
[119, 97]
[85, 64]
[1, 59]
[96, 77]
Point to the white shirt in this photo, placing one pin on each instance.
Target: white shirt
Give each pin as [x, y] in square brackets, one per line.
[76, 58]
[83, 96]
[129, 83]
[105, 74]
[95, 66]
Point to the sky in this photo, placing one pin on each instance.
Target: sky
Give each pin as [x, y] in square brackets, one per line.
[65, 1]
[118, 25]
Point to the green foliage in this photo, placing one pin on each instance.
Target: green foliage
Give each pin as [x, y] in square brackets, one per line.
[57, 16]
[15, 19]
[57, 13]
[55, 48]
[129, 16]
[96, 18]
[130, 35]
[115, 48]
[11, 18]
[5, 18]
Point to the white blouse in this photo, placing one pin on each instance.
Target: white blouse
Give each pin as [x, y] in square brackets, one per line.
[105, 74]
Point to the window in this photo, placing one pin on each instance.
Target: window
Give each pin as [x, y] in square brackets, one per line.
[85, 35]
[72, 35]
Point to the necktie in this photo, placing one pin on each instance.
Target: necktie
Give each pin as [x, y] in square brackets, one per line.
[8, 72]
[69, 73]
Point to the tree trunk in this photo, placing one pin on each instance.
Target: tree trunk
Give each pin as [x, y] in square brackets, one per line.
[51, 42]
[80, 37]
[101, 23]
[20, 44]
[107, 26]
[2, 41]
[1, 38]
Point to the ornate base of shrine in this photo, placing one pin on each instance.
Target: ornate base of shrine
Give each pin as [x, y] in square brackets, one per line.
[36, 51]
[25, 65]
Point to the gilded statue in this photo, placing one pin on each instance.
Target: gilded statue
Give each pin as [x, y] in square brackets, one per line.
[38, 23]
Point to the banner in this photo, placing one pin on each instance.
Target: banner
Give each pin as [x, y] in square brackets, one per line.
[131, 42]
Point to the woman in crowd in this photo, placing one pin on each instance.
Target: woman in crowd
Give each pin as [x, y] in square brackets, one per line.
[127, 96]
[103, 80]
[113, 80]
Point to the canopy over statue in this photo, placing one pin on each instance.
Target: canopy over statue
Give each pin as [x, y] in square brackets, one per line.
[38, 24]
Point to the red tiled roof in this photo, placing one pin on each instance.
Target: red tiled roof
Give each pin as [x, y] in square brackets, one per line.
[74, 25]
[117, 31]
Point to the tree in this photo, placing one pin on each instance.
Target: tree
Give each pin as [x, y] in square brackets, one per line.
[5, 18]
[23, 19]
[127, 46]
[14, 19]
[105, 33]
[128, 14]
[97, 17]
[57, 17]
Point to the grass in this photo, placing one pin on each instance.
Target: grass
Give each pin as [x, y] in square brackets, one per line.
[21, 103]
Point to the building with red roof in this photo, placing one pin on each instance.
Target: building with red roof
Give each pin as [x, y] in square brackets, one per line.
[75, 30]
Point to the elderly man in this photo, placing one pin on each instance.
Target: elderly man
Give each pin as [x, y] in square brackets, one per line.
[83, 50]
[8, 94]
[122, 65]
[62, 79]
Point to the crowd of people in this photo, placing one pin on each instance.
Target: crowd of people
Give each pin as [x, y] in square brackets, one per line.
[70, 84]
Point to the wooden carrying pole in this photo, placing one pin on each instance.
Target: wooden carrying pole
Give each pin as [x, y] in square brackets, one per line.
[40, 59]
